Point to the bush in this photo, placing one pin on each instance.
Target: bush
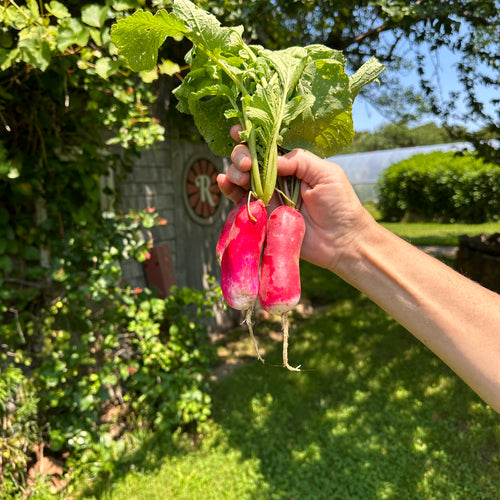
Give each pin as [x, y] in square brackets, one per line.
[92, 357]
[442, 187]
[83, 356]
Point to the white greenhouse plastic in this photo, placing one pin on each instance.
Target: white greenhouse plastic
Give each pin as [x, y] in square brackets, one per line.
[364, 169]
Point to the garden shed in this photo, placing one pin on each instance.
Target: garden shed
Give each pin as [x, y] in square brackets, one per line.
[178, 179]
[364, 169]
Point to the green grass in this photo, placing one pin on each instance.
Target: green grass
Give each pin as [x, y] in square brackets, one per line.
[433, 233]
[374, 415]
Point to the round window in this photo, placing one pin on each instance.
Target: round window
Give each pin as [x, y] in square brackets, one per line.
[201, 192]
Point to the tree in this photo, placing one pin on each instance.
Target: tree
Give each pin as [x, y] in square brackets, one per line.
[402, 35]
[399, 135]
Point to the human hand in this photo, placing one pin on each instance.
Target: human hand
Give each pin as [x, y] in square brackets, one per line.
[331, 209]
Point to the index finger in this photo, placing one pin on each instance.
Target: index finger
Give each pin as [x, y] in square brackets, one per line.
[234, 132]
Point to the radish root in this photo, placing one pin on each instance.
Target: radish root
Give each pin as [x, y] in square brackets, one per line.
[248, 321]
[284, 325]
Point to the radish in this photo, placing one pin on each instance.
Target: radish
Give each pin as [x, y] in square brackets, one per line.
[226, 228]
[240, 260]
[279, 290]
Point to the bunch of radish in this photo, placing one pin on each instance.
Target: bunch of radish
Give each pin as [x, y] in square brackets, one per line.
[259, 257]
[297, 97]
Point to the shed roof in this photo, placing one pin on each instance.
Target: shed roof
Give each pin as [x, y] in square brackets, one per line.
[366, 167]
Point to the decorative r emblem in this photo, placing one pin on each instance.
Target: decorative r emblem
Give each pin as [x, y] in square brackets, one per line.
[201, 192]
[203, 182]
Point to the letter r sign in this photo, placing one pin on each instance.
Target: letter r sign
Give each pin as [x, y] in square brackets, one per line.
[202, 194]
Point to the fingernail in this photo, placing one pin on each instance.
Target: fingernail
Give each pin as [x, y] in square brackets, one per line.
[240, 156]
[237, 175]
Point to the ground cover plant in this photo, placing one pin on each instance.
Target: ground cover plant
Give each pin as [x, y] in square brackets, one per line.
[78, 346]
[378, 416]
[102, 360]
[298, 97]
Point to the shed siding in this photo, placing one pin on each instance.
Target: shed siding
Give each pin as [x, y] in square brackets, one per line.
[157, 181]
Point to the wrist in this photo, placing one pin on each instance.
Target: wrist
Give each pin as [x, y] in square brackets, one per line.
[350, 257]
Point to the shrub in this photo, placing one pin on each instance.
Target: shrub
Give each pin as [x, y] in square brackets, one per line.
[19, 429]
[444, 187]
[95, 357]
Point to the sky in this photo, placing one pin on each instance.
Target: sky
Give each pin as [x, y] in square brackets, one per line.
[442, 65]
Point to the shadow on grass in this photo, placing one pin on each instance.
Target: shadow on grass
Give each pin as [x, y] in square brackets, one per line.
[374, 414]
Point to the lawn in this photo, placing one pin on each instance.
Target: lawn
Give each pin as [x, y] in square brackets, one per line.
[373, 415]
[434, 233]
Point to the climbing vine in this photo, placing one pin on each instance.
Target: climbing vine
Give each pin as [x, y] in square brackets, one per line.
[74, 338]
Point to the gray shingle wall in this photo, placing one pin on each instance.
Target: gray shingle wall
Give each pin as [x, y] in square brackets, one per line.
[157, 181]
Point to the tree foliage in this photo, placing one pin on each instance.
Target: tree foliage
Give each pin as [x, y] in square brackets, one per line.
[402, 35]
[399, 135]
[64, 100]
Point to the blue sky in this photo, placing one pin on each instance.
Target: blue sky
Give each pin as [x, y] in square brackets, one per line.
[442, 66]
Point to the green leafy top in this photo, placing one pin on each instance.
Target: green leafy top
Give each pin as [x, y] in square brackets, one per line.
[296, 97]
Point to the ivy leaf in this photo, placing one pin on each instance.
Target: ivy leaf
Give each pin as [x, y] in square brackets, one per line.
[71, 32]
[35, 50]
[18, 17]
[94, 15]
[5, 39]
[139, 36]
[149, 76]
[95, 34]
[8, 58]
[169, 68]
[5, 263]
[121, 5]
[57, 9]
[105, 67]
[34, 11]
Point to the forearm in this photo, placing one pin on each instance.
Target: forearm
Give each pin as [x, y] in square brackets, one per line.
[456, 318]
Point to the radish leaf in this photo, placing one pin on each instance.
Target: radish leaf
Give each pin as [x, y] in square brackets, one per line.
[299, 97]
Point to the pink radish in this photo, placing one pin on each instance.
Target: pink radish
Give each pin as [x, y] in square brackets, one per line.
[280, 275]
[240, 260]
[280, 288]
[226, 228]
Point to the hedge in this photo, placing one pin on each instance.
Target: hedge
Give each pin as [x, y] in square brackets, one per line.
[442, 187]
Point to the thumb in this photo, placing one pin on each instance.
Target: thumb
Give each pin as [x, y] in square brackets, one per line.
[308, 167]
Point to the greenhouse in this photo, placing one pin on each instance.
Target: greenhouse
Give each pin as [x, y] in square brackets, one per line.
[364, 169]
